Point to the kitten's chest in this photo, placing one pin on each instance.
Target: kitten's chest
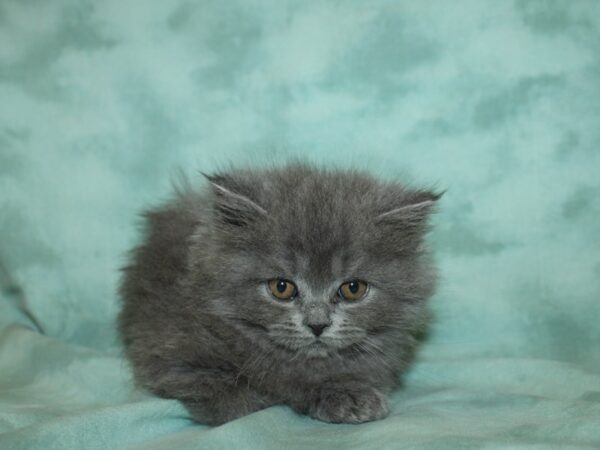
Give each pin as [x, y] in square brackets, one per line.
[294, 372]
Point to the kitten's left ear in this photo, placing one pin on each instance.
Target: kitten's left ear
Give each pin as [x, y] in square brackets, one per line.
[232, 207]
[410, 212]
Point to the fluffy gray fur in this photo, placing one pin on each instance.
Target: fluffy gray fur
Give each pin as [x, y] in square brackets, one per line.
[200, 325]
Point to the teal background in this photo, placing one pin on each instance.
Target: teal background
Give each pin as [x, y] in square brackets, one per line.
[499, 102]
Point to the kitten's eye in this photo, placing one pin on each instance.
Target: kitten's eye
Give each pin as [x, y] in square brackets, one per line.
[352, 290]
[282, 289]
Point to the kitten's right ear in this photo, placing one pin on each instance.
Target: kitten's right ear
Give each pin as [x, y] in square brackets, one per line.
[231, 207]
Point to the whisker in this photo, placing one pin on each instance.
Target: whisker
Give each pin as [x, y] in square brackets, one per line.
[374, 350]
[350, 329]
[287, 335]
[250, 365]
[283, 328]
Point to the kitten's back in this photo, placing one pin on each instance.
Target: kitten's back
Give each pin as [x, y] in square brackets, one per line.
[161, 260]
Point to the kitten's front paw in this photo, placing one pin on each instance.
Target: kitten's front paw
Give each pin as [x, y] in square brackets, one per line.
[350, 404]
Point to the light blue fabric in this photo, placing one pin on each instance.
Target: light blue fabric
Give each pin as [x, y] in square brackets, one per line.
[499, 102]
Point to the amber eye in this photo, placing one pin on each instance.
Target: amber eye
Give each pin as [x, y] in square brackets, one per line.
[352, 290]
[282, 289]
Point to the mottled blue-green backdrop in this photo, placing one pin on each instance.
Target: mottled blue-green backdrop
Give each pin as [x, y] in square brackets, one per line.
[496, 101]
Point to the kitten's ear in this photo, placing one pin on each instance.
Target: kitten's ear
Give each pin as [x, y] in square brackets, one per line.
[232, 207]
[409, 213]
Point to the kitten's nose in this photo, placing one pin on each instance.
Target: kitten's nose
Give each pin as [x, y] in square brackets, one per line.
[318, 328]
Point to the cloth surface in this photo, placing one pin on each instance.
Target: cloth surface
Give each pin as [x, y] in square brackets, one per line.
[497, 102]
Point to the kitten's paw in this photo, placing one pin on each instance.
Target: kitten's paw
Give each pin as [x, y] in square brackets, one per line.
[354, 404]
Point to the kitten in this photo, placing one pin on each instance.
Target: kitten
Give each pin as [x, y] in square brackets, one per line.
[293, 285]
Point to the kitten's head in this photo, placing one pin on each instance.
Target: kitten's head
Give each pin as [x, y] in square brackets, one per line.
[317, 262]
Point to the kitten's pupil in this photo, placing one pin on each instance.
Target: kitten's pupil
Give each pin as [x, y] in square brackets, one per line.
[281, 286]
[353, 286]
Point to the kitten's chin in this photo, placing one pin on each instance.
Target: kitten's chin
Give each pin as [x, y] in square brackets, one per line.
[325, 347]
[314, 349]
[317, 349]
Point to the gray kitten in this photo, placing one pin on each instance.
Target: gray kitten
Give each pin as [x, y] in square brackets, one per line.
[293, 285]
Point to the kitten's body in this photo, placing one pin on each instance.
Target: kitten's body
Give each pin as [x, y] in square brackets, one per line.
[199, 324]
